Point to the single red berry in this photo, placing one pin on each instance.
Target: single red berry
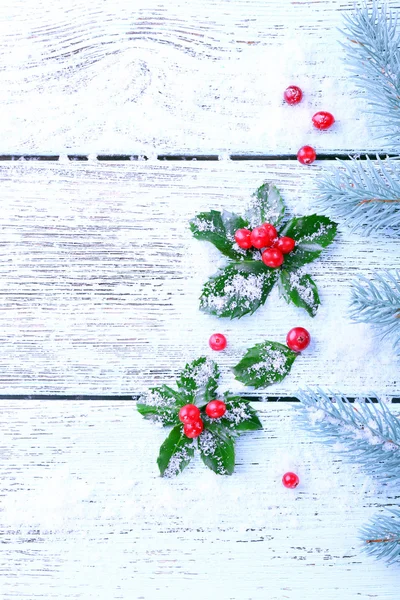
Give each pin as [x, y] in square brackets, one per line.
[272, 257]
[306, 155]
[285, 244]
[259, 237]
[242, 238]
[293, 94]
[217, 341]
[271, 233]
[323, 120]
[193, 430]
[189, 414]
[216, 409]
[298, 339]
[290, 480]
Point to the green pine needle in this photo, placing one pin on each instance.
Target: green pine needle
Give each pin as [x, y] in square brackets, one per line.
[377, 301]
[373, 58]
[367, 433]
[364, 194]
[381, 537]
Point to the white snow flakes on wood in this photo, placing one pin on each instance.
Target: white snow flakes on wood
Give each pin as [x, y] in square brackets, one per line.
[85, 511]
[140, 77]
[100, 281]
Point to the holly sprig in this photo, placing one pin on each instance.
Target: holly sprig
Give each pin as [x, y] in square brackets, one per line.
[244, 284]
[197, 384]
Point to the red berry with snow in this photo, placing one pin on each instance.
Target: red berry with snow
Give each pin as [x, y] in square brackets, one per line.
[272, 257]
[285, 244]
[217, 341]
[306, 155]
[271, 234]
[290, 480]
[242, 238]
[216, 409]
[189, 414]
[259, 237]
[193, 430]
[323, 120]
[298, 339]
[293, 94]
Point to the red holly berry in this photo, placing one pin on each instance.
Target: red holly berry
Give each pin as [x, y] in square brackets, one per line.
[272, 257]
[306, 155]
[293, 94]
[189, 414]
[216, 409]
[285, 244]
[242, 238]
[298, 339]
[217, 341]
[323, 120]
[290, 480]
[259, 237]
[193, 430]
[271, 233]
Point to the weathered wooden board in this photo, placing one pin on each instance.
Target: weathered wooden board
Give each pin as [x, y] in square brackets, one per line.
[144, 77]
[84, 513]
[100, 279]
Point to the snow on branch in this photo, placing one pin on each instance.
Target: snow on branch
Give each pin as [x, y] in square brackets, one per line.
[377, 301]
[366, 432]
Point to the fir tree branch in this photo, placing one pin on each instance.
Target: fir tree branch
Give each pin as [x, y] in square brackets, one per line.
[377, 302]
[364, 194]
[381, 537]
[370, 432]
[373, 57]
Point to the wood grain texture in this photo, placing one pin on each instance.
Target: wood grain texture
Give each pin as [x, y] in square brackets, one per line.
[100, 279]
[146, 77]
[84, 513]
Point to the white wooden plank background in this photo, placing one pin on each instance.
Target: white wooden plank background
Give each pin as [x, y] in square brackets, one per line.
[100, 279]
[144, 77]
[85, 515]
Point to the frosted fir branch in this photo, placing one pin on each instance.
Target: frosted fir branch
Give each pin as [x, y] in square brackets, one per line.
[367, 432]
[381, 537]
[365, 194]
[377, 301]
[373, 58]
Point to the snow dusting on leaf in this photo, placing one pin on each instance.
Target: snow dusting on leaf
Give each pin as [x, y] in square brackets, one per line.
[235, 293]
[301, 290]
[264, 364]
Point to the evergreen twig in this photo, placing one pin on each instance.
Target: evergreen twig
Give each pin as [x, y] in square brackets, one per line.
[381, 536]
[372, 436]
[364, 194]
[373, 58]
[367, 432]
[377, 301]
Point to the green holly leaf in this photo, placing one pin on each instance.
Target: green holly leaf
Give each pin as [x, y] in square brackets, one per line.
[239, 416]
[175, 453]
[219, 229]
[264, 364]
[312, 233]
[161, 404]
[198, 381]
[238, 289]
[266, 206]
[300, 290]
[217, 449]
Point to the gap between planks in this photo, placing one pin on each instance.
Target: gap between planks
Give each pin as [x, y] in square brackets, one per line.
[182, 157]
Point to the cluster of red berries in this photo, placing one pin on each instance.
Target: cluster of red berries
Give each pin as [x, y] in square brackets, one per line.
[190, 416]
[265, 236]
[321, 120]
